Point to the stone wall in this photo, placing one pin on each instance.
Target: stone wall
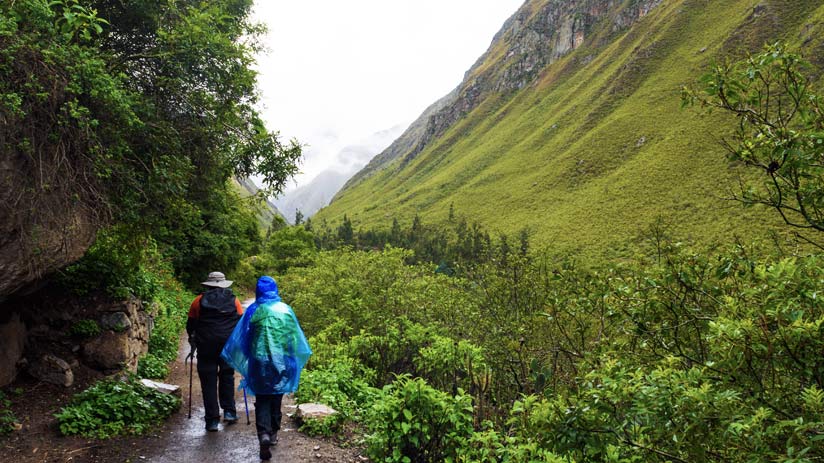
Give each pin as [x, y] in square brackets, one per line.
[40, 337]
[125, 337]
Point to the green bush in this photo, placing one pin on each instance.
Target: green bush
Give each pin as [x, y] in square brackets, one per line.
[152, 367]
[337, 386]
[85, 328]
[118, 263]
[112, 407]
[322, 427]
[414, 422]
[7, 418]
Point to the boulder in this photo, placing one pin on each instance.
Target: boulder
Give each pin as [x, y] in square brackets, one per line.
[115, 321]
[312, 411]
[125, 338]
[52, 369]
[109, 351]
[12, 341]
[162, 387]
[45, 223]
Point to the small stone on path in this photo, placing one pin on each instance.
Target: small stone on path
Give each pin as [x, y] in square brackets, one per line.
[314, 411]
[162, 387]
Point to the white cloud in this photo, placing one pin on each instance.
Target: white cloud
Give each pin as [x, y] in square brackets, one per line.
[337, 72]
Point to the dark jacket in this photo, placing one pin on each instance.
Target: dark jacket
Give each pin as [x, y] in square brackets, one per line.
[212, 317]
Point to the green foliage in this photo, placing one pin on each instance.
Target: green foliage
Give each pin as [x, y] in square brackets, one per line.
[152, 367]
[780, 130]
[85, 328]
[216, 235]
[112, 407]
[141, 114]
[414, 422]
[290, 247]
[170, 310]
[337, 386]
[321, 427]
[7, 418]
[77, 21]
[680, 357]
[369, 290]
[119, 264]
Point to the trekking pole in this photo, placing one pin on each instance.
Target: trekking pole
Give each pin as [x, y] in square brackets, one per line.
[191, 359]
[246, 403]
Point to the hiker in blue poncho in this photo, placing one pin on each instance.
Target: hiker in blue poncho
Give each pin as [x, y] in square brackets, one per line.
[269, 350]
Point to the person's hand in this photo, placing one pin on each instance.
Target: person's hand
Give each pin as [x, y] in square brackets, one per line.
[193, 342]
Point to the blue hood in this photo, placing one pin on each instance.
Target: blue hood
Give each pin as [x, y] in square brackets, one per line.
[268, 349]
[267, 290]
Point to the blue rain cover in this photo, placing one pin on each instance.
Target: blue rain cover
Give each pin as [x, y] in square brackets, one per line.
[267, 347]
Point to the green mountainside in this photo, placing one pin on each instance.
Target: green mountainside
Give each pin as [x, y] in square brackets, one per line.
[265, 211]
[590, 150]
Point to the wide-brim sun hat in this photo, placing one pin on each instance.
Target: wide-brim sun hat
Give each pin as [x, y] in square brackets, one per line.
[217, 280]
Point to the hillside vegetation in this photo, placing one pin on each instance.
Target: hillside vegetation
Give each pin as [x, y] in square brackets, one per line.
[596, 149]
[504, 354]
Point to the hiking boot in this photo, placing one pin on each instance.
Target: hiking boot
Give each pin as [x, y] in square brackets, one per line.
[274, 439]
[265, 443]
[230, 417]
[212, 424]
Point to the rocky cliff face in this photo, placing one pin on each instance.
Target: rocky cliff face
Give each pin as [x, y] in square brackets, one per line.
[538, 34]
[42, 227]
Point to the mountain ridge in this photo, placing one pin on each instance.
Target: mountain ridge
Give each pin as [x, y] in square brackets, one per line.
[524, 44]
[595, 149]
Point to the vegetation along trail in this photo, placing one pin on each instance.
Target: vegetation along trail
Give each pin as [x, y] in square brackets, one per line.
[185, 440]
[540, 269]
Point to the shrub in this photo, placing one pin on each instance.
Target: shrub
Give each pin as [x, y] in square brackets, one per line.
[337, 386]
[113, 407]
[322, 427]
[152, 367]
[7, 418]
[414, 422]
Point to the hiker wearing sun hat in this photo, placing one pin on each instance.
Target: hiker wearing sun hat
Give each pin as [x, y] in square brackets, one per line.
[212, 317]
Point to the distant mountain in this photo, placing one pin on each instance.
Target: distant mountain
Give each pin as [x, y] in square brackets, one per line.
[410, 140]
[309, 198]
[570, 126]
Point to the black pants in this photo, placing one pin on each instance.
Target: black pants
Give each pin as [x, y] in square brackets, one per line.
[267, 413]
[217, 381]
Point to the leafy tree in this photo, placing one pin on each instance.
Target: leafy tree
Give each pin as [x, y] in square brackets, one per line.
[140, 111]
[290, 247]
[395, 235]
[278, 223]
[298, 217]
[780, 131]
[345, 232]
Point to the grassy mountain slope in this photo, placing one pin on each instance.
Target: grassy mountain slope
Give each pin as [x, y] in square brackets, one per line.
[597, 149]
[266, 210]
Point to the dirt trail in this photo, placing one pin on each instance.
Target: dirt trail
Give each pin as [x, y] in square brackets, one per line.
[186, 440]
[178, 440]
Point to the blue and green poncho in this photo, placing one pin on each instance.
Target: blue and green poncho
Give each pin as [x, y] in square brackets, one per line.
[268, 347]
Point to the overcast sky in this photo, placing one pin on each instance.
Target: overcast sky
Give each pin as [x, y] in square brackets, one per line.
[337, 71]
